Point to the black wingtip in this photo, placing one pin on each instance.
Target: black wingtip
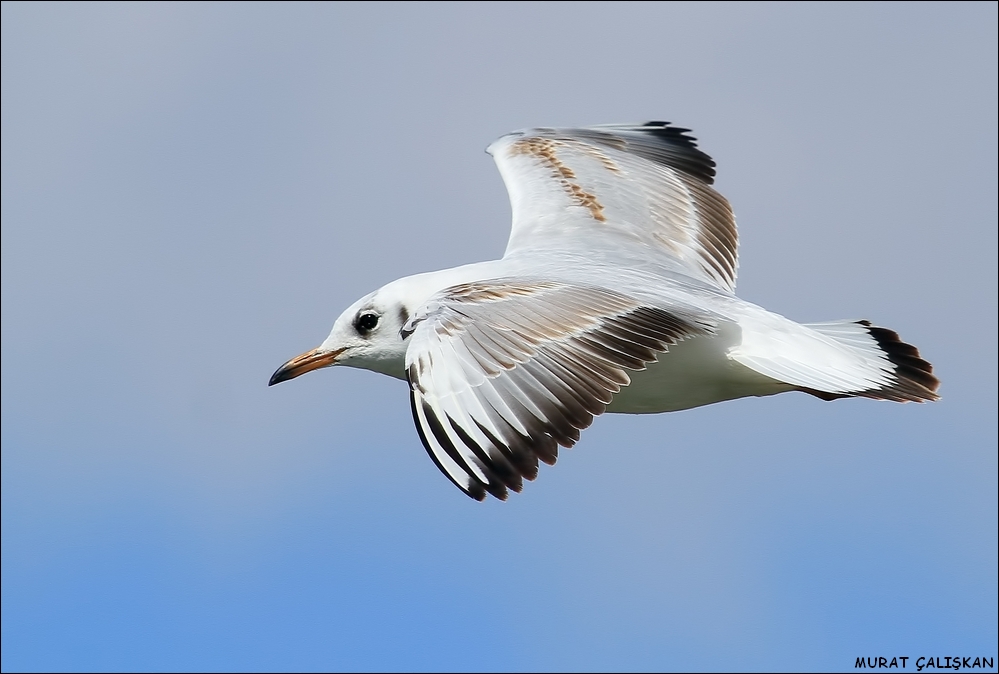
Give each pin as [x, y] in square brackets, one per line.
[675, 147]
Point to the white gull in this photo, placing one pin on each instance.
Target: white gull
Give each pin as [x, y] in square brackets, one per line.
[615, 294]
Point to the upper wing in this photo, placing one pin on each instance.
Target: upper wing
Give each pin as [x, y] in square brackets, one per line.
[502, 372]
[622, 190]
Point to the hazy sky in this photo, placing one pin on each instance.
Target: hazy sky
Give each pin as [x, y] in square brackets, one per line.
[192, 193]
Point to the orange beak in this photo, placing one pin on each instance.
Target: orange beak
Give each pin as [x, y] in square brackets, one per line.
[307, 362]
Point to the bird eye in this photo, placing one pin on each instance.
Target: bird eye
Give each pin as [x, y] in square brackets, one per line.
[366, 322]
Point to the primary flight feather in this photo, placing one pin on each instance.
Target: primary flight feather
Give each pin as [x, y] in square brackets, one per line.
[615, 294]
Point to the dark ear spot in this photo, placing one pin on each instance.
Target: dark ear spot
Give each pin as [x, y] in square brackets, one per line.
[408, 324]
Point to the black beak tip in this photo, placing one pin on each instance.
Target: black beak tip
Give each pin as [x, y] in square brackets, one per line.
[277, 377]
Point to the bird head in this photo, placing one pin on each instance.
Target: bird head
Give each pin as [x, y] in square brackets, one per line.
[367, 335]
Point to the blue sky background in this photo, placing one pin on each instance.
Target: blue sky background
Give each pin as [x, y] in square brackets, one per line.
[192, 193]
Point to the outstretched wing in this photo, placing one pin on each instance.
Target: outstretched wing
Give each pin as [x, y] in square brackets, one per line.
[627, 191]
[502, 372]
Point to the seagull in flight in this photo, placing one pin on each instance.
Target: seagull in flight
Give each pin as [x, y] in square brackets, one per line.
[616, 293]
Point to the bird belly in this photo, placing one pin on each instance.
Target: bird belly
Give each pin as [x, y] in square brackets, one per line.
[692, 373]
